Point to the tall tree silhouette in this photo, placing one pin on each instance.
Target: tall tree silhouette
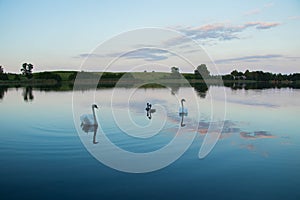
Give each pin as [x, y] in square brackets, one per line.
[202, 72]
[175, 72]
[27, 70]
[3, 76]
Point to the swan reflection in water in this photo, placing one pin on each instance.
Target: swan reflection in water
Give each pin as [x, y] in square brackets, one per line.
[182, 124]
[89, 123]
[182, 112]
[149, 110]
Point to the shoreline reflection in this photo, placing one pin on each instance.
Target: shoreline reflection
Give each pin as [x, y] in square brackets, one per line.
[200, 88]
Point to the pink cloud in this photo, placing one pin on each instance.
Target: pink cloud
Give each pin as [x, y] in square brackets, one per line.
[216, 32]
[262, 25]
[267, 25]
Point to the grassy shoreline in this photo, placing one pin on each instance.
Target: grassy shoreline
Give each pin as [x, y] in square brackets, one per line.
[63, 78]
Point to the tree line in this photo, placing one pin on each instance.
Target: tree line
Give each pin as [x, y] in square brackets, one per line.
[260, 76]
[200, 73]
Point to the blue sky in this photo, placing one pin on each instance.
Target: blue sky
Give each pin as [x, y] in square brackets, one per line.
[255, 35]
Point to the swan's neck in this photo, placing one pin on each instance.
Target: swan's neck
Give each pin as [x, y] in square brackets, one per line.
[95, 120]
[95, 132]
[182, 105]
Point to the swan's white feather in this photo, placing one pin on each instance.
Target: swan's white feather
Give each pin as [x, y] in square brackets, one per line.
[87, 119]
[183, 110]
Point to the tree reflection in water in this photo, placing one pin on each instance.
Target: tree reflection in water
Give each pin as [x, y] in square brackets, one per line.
[201, 89]
[3, 90]
[27, 94]
[174, 88]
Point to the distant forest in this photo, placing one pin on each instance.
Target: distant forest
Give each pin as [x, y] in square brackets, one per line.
[200, 73]
[260, 76]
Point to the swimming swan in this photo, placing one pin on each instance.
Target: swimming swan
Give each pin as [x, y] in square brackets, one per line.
[150, 110]
[182, 109]
[89, 119]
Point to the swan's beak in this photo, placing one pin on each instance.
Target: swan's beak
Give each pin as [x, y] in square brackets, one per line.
[96, 106]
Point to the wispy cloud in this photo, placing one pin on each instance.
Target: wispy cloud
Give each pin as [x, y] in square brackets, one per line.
[263, 25]
[256, 11]
[255, 58]
[147, 54]
[217, 32]
[212, 31]
[90, 55]
[206, 34]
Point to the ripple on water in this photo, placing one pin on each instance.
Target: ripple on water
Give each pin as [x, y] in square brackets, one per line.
[43, 140]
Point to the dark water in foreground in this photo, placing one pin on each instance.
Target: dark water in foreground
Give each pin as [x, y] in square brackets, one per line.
[256, 157]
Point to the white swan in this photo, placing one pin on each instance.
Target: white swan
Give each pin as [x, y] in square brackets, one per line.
[89, 119]
[182, 109]
[90, 128]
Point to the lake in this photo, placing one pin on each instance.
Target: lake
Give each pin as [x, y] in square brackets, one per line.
[45, 152]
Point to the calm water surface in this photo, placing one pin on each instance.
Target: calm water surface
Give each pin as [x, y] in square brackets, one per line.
[257, 156]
